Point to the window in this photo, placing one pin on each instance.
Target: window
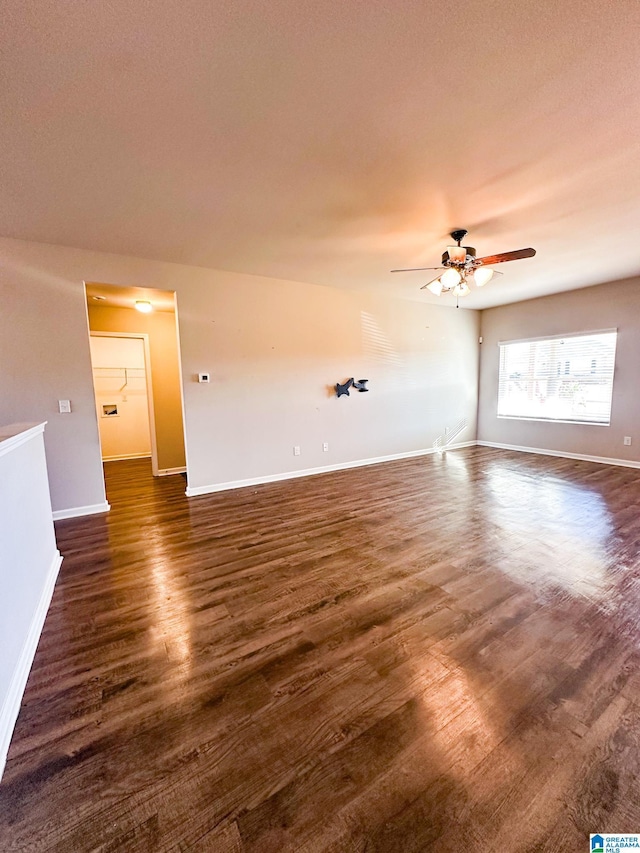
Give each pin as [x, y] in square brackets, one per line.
[558, 379]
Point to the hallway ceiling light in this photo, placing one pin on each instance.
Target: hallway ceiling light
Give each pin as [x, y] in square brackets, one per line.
[144, 306]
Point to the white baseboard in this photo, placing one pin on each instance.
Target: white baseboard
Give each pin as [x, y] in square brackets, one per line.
[75, 511]
[167, 472]
[126, 456]
[602, 460]
[194, 491]
[11, 706]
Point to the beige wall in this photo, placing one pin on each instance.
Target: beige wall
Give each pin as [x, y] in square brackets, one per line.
[273, 348]
[44, 357]
[160, 326]
[606, 306]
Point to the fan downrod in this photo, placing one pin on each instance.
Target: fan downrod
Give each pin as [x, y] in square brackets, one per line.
[459, 235]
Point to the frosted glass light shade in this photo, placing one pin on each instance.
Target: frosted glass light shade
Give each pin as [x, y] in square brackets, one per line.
[450, 278]
[482, 275]
[144, 306]
[435, 287]
[457, 254]
[462, 289]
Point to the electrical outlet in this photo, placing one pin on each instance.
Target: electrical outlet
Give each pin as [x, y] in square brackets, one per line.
[64, 407]
[627, 441]
[446, 430]
[325, 446]
[296, 450]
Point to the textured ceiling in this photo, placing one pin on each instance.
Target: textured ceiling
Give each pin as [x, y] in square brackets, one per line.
[328, 142]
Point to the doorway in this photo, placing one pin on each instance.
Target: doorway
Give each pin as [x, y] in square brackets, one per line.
[135, 357]
[124, 396]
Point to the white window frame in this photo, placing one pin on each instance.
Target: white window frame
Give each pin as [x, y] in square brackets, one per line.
[562, 372]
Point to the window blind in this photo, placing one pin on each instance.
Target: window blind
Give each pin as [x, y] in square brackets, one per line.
[563, 378]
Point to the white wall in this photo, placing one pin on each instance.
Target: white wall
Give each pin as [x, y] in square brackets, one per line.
[274, 349]
[606, 306]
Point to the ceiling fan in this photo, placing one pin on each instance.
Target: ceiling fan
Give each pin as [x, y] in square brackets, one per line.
[461, 266]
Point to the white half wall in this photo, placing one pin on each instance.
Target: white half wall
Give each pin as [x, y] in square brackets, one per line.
[274, 350]
[29, 563]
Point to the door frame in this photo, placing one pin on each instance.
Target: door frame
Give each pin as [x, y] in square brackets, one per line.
[147, 371]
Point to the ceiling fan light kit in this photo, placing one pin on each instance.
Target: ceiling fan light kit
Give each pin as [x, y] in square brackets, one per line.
[450, 277]
[461, 266]
[456, 254]
[482, 275]
[462, 289]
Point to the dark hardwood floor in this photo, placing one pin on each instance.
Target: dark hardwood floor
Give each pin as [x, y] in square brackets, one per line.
[435, 654]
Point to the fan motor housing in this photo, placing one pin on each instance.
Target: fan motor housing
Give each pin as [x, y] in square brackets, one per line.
[471, 254]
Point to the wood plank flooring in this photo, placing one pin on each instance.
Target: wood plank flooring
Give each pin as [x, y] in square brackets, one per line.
[435, 654]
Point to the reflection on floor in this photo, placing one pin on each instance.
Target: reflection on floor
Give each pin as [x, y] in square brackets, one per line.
[434, 654]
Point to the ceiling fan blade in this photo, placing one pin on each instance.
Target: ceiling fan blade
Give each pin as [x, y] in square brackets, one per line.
[495, 272]
[418, 269]
[506, 256]
[424, 286]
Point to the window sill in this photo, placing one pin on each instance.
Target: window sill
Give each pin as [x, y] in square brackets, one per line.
[553, 420]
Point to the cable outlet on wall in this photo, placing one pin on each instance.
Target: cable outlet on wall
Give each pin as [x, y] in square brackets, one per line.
[296, 450]
[325, 446]
[627, 441]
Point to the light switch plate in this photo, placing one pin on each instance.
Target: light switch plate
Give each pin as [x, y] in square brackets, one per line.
[64, 407]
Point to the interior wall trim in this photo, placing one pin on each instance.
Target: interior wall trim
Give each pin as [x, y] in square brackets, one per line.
[75, 511]
[601, 460]
[11, 706]
[194, 491]
[166, 472]
[22, 435]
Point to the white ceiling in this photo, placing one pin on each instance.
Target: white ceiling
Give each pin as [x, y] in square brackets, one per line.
[328, 142]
